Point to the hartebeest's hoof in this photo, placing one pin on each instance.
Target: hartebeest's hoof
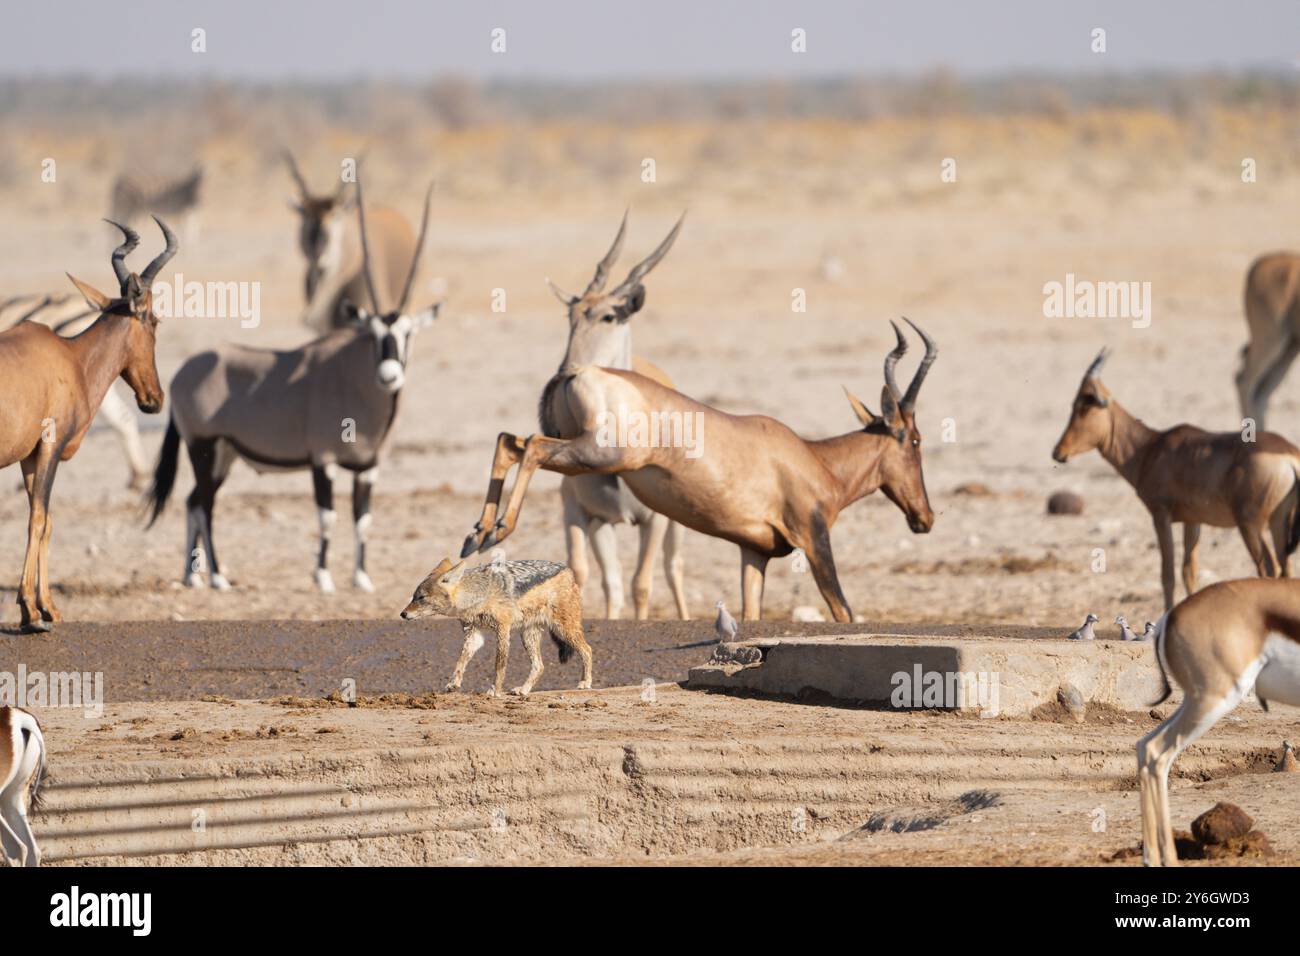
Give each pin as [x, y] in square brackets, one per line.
[471, 542]
[37, 627]
[493, 537]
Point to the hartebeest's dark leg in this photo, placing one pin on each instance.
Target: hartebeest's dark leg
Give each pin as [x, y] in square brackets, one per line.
[821, 561]
[322, 483]
[38, 480]
[1165, 538]
[362, 486]
[44, 597]
[509, 452]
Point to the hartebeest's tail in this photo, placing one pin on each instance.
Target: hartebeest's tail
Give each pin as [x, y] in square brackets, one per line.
[1158, 644]
[164, 475]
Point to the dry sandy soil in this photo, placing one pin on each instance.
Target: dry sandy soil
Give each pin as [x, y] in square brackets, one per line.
[856, 215]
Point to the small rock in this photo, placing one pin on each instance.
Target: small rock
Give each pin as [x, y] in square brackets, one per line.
[806, 613]
[1252, 844]
[1065, 503]
[1072, 700]
[1221, 823]
[976, 489]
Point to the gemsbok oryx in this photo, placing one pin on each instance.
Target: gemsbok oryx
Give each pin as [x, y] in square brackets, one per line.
[178, 199]
[600, 334]
[1272, 305]
[1216, 645]
[330, 240]
[326, 405]
[51, 387]
[68, 315]
[22, 765]
[1195, 477]
[747, 479]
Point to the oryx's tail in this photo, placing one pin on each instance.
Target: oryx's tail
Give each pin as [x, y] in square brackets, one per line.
[164, 475]
[1158, 642]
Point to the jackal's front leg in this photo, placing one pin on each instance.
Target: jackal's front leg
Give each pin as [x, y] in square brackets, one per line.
[503, 657]
[473, 641]
[532, 644]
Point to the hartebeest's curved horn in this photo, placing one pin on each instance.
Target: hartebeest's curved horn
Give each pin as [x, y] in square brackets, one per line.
[121, 252]
[931, 353]
[649, 262]
[365, 249]
[1097, 363]
[896, 353]
[419, 245]
[598, 281]
[296, 173]
[153, 268]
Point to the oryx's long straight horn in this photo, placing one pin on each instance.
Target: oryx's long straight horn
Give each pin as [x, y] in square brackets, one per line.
[598, 281]
[642, 268]
[152, 269]
[419, 246]
[365, 249]
[121, 252]
[891, 360]
[931, 353]
[296, 173]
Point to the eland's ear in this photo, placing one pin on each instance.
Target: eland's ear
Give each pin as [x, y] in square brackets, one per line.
[865, 417]
[634, 302]
[94, 298]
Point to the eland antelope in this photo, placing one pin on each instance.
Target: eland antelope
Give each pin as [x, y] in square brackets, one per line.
[1216, 645]
[331, 242]
[51, 388]
[68, 315]
[22, 766]
[757, 484]
[600, 334]
[1184, 474]
[1272, 306]
[326, 405]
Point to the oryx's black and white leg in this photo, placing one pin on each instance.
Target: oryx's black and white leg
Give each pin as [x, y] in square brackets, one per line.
[363, 484]
[322, 479]
[211, 459]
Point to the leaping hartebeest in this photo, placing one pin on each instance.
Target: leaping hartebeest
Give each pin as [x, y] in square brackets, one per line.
[326, 405]
[51, 387]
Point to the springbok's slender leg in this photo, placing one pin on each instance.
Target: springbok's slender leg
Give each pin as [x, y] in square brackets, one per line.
[509, 452]
[38, 477]
[11, 846]
[604, 543]
[322, 481]
[363, 483]
[651, 534]
[1165, 537]
[674, 567]
[533, 644]
[821, 561]
[503, 657]
[753, 571]
[575, 534]
[473, 641]
[1191, 540]
[1280, 531]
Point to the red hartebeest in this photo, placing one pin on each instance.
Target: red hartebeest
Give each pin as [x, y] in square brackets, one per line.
[51, 387]
[1192, 476]
[757, 483]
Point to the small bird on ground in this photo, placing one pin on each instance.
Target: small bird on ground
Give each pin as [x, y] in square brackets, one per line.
[1288, 763]
[1125, 633]
[725, 626]
[1150, 633]
[1085, 633]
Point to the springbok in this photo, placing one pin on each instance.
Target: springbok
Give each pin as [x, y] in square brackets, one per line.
[331, 243]
[758, 484]
[600, 333]
[1195, 477]
[22, 765]
[330, 403]
[68, 315]
[1217, 645]
[133, 196]
[51, 387]
[1272, 302]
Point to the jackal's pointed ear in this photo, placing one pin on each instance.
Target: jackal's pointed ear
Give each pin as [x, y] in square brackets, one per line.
[864, 414]
[94, 298]
[453, 575]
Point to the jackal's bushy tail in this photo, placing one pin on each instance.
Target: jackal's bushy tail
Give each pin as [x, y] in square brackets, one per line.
[564, 647]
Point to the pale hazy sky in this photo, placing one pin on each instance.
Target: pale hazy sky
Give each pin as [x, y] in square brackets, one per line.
[629, 39]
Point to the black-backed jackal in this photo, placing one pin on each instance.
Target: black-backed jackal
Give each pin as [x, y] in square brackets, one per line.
[538, 597]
